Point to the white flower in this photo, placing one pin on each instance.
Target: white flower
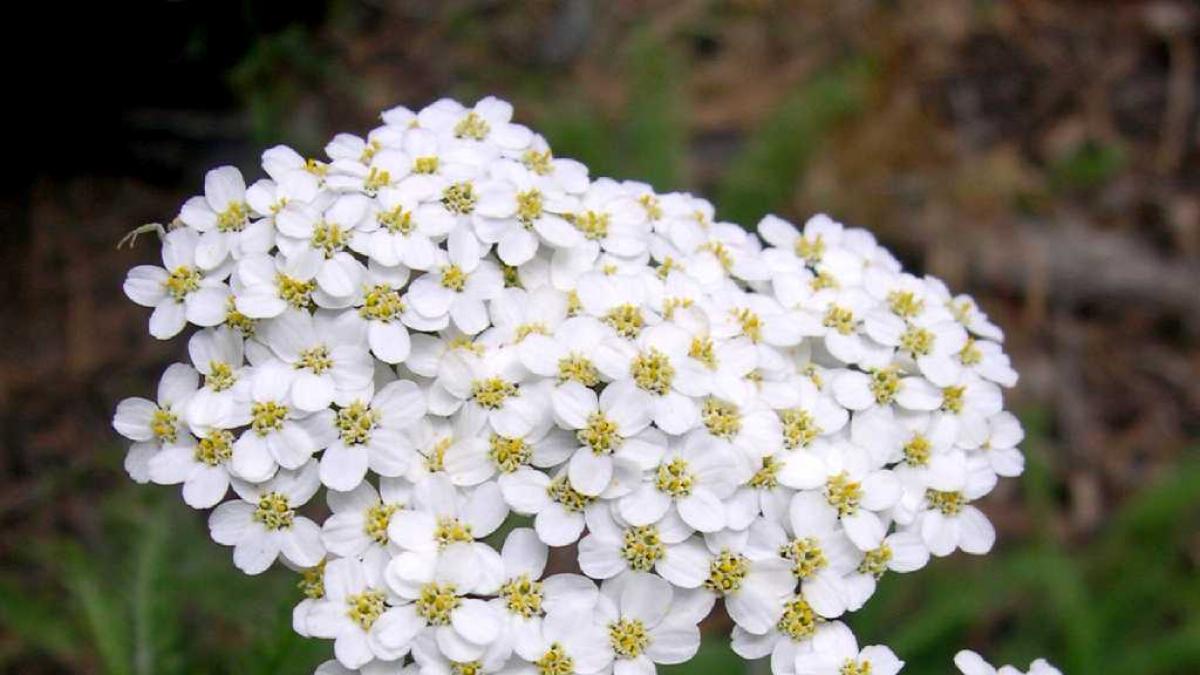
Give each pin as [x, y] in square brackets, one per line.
[609, 430]
[327, 354]
[370, 436]
[221, 403]
[403, 227]
[660, 384]
[517, 210]
[970, 663]
[360, 518]
[460, 285]
[355, 613]
[489, 121]
[692, 479]
[556, 505]
[999, 447]
[572, 641]
[900, 552]
[494, 386]
[314, 238]
[384, 311]
[480, 454]
[222, 217]
[835, 652]
[754, 590]
[853, 490]
[279, 434]
[950, 522]
[263, 524]
[612, 546]
[153, 424]
[180, 291]
[202, 465]
[648, 622]
[441, 516]
[266, 287]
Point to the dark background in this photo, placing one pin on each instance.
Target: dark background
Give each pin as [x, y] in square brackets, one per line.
[1043, 156]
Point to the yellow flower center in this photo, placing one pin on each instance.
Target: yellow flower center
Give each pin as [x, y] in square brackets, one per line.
[526, 329]
[460, 198]
[215, 448]
[600, 434]
[509, 454]
[885, 383]
[555, 661]
[425, 165]
[164, 424]
[578, 368]
[329, 238]
[454, 278]
[593, 224]
[220, 377]
[905, 304]
[233, 218]
[822, 280]
[875, 562]
[642, 547]
[355, 421]
[952, 399]
[855, 667]
[799, 428]
[522, 596]
[917, 451]
[381, 303]
[529, 207]
[750, 322]
[721, 418]
[916, 341]
[398, 221]
[726, 572]
[839, 319]
[366, 607]
[274, 512]
[949, 502]
[702, 350]
[767, 476]
[628, 637]
[491, 393]
[376, 180]
[435, 603]
[267, 416]
[970, 354]
[468, 668]
[436, 459]
[378, 517]
[674, 478]
[653, 372]
[472, 126]
[811, 250]
[651, 205]
[806, 555]
[720, 252]
[799, 622]
[451, 531]
[538, 162]
[626, 319]
[560, 491]
[181, 281]
[315, 359]
[295, 292]
[312, 581]
[238, 321]
[843, 494]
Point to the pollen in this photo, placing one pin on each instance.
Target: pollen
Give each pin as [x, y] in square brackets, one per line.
[970, 354]
[642, 547]
[376, 522]
[436, 602]
[905, 304]
[454, 278]
[274, 512]
[529, 207]
[652, 371]
[312, 581]
[806, 555]
[538, 162]
[626, 320]
[466, 668]
[577, 368]
[522, 596]
[509, 454]
[220, 377]
[885, 383]
[949, 502]
[855, 667]
[702, 350]
[822, 280]
[398, 220]
[316, 167]
[215, 448]
[267, 416]
[238, 321]
[369, 151]
[425, 165]
[233, 218]
[916, 341]
[295, 292]
[555, 661]
[511, 275]
[799, 428]
[600, 434]
[811, 250]
[164, 424]
[315, 359]
[451, 531]
[721, 418]
[569, 498]
[628, 637]
[719, 251]
[767, 476]
[355, 421]
[526, 329]
[839, 319]
[491, 393]
[435, 461]
[329, 238]
[750, 323]
[843, 494]
[472, 126]
[382, 303]
[365, 608]
[917, 451]
[181, 281]
[799, 622]
[726, 572]
[672, 304]
[650, 203]
[593, 224]
[875, 562]
[460, 198]
[376, 180]
[674, 478]
[952, 399]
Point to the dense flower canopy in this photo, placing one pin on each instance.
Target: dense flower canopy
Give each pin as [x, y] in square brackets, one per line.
[477, 352]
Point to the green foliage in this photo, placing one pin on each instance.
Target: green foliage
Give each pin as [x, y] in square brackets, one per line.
[763, 177]
[1087, 166]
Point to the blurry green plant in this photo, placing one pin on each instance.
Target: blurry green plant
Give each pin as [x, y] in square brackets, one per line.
[1088, 165]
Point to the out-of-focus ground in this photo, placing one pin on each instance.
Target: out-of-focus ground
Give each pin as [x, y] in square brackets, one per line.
[1042, 156]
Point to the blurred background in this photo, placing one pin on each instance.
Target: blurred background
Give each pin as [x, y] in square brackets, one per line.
[1043, 156]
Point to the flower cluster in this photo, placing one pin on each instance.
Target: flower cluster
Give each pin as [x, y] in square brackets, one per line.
[452, 330]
